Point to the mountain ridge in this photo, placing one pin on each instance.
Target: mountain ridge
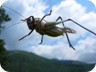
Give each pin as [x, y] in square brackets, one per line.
[22, 61]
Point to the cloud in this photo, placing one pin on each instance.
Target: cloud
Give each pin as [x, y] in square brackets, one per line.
[83, 41]
[59, 51]
[88, 57]
[94, 2]
[1, 2]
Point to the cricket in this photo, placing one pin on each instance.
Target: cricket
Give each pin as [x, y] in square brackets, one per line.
[44, 27]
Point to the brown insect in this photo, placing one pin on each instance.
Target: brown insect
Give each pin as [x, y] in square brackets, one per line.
[44, 27]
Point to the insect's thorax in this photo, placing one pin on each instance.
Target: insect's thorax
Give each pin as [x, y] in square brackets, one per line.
[37, 22]
[39, 26]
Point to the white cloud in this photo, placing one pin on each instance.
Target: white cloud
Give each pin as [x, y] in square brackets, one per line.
[67, 9]
[94, 2]
[2, 1]
[59, 51]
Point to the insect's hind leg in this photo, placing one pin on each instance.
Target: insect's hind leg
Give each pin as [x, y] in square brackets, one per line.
[80, 25]
[61, 20]
[66, 32]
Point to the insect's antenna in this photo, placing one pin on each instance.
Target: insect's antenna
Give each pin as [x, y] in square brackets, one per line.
[12, 25]
[13, 11]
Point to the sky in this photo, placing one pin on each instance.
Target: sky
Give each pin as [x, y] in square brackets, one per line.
[81, 11]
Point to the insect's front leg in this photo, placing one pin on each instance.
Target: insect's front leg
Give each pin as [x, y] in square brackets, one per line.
[41, 40]
[26, 35]
[23, 20]
[45, 16]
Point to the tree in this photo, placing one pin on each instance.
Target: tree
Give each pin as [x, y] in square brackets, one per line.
[3, 17]
[2, 50]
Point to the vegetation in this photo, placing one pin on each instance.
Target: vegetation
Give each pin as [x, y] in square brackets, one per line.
[3, 17]
[2, 50]
[21, 61]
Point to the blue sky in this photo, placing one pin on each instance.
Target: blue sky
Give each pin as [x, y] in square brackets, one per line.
[89, 5]
[86, 3]
[82, 11]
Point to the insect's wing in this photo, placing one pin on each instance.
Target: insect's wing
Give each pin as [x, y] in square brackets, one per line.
[69, 30]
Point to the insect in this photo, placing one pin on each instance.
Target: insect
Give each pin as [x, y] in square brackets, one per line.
[44, 27]
[49, 28]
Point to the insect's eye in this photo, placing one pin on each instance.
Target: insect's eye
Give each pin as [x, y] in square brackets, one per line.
[30, 18]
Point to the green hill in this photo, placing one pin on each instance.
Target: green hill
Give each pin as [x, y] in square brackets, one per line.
[21, 61]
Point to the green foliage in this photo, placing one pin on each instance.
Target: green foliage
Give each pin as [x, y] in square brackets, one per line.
[2, 51]
[21, 61]
[3, 17]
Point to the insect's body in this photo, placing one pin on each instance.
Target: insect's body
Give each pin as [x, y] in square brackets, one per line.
[44, 28]
[49, 28]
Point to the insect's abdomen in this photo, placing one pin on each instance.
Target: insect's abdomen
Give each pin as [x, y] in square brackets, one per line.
[68, 30]
[54, 32]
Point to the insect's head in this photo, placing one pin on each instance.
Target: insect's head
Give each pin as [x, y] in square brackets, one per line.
[30, 22]
[29, 19]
